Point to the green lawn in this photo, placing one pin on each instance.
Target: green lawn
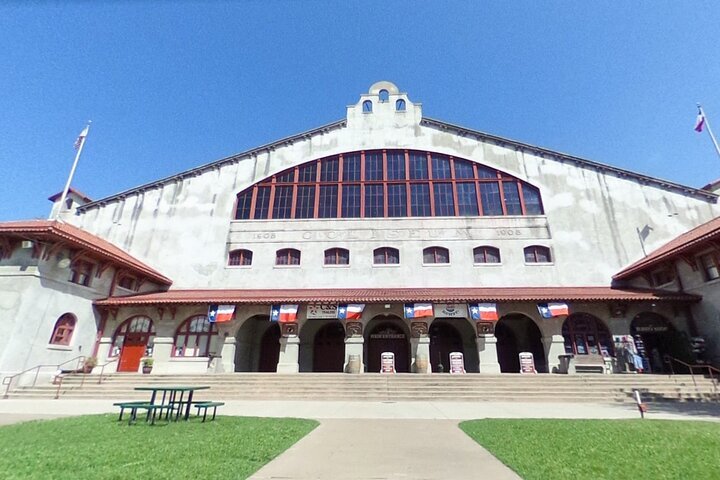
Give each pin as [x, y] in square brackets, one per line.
[602, 449]
[100, 447]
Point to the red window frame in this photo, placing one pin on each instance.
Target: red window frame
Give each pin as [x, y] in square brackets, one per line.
[534, 254]
[193, 337]
[240, 257]
[287, 257]
[585, 334]
[337, 256]
[387, 254]
[137, 324]
[484, 253]
[81, 272]
[436, 256]
[63, 330]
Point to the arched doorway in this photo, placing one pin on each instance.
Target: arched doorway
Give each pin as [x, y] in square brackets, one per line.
[388, 337]
[444, 339]
[517, 333]
[329, 348]
[656, 337]
[257, 347]
[585, 334]
[133, 340]
[270, 349]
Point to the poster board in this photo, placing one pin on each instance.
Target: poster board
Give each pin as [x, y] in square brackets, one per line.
[527, 362]
[457, 363]
[387, 362]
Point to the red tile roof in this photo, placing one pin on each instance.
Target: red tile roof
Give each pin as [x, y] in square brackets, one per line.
[78, 238]
[396, 295]
[684, 243]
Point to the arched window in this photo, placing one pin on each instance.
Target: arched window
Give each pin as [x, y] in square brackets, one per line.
[400, 105]
[537, 254]
[140, 329]
[386, 256]
[193, 337]
[436, 255]
[384, 96]
[63, 331]
[486, 254]
[367, 106]
[287, 256]
[240, 257]
[387, 183]
[585, 334]
[337, 256]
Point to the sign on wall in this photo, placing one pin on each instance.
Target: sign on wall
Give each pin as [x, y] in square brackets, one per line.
[457, 362]
[451, 310]
[527, 362]
[317, 311]
[387, 362]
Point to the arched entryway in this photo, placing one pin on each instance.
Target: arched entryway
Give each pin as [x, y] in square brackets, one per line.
[387, 336]
[517, 333]
[257, 345]
[585, 334]
[329, 348]
[444, 339]
[656, 337]
[133, 340]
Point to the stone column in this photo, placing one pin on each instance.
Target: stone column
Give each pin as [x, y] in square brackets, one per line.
[103, 353]
[554, 346]
[162, 352]
[420, 347]
[487, 353]
[289, 349]
[227, 361]
[354, 345]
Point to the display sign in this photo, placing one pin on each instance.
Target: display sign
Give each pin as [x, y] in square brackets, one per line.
[387, 362]
[527, 362]
[316, 311]
[450, 310]
[457, 362]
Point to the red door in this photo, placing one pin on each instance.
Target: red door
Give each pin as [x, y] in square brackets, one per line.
[133, 350]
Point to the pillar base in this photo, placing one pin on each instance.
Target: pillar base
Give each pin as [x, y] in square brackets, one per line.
[354, 347]
[487, 353]
[289, 354]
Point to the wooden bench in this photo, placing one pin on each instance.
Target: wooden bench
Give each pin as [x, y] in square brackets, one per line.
[135, 406]
[204, 407]
[592, 363]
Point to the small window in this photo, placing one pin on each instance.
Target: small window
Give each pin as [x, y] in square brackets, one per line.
[400, 105]
[386, 256]
[63, 331]
[367, 106]
[193, 337]
[287, 256]
[537, 254]
[486, 254]
[128, 283]
[337, 256]
[81, 272]
[662, 277]
[436, 255]
[240, 257]
[384, 96]
[710, 267]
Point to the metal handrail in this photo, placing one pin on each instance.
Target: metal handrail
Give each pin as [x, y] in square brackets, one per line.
[82, 379]
[102, 370]
[710, 369]
[9, 379]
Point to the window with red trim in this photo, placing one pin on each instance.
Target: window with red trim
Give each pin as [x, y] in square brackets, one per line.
[193, 337]
[128, 283]
[81, 272]
[486, 254]
[63, 331]
[287, 256]
[436, 255]
[386, 256]
[140, 325]
[240, 257]
[337, 256]
[537, 254]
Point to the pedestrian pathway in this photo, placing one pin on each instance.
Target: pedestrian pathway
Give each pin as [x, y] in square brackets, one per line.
[353, 449]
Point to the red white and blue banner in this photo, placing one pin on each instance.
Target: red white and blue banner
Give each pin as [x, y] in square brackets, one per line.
[484, 311]
[352, 311]
[283, 313]
[220, 313]
[550, 310]
[418, 310]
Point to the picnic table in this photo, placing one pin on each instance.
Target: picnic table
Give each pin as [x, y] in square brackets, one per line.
[170, 397]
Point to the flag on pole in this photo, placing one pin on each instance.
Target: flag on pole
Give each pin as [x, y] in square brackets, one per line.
[700, 122]
[352, 311]
[220, 313]
[549, 310]
[81, 138]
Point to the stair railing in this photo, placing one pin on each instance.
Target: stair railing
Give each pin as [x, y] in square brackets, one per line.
[711, 371]
[102, 369]
[84, 374]
[7, 381]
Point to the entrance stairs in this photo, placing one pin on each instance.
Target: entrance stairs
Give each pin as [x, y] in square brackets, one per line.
[399, 387]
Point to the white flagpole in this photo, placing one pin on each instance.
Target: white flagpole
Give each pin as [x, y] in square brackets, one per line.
[707, 124]
[72, 171]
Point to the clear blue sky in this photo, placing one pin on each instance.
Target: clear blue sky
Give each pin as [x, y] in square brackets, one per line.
[173, 85]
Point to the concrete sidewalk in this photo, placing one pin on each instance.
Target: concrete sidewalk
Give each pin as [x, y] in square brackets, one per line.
[386, 449]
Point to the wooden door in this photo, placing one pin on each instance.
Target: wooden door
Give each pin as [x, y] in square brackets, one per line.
[132, 351]
[329, 348]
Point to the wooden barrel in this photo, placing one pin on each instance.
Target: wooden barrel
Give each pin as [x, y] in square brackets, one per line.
[353, 365]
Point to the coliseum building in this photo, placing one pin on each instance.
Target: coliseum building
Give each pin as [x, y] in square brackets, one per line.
[386, 231]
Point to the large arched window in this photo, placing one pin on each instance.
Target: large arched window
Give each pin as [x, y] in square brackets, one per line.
[386, 256]
[585, 334]
[193, 337]
[240, 257]
[388, 183]
[287, 256]
[63, 331]
[537, 254]
[140, 328]
[436, 255]
[337, 256]
[486, 254]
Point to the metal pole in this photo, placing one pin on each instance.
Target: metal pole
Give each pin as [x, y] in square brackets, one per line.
[707, 124]
[72, 172]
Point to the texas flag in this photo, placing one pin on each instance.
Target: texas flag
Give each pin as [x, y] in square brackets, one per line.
[700, 122]
[351, 311]
[220, 313]
[283, 313]
[484, 311]
[418, 310]
[549, 310]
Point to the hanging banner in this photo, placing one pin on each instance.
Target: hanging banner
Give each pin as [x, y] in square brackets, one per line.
[527, 362]
[318, 311]
[450, 310]
[457, 363]
[387, 362]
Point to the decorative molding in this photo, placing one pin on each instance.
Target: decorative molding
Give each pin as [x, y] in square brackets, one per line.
[418, 329]
[353, 329]
[289, 329]
[485, 328]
